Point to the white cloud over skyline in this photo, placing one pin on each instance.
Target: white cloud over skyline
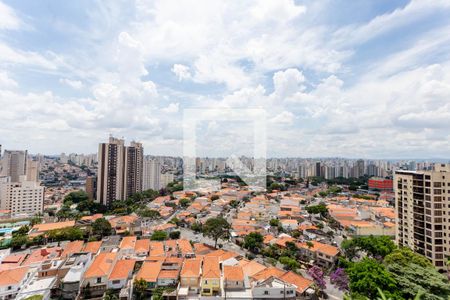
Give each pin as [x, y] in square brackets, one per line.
[332, 85]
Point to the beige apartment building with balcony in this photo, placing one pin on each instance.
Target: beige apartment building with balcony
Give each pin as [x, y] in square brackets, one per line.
[422, 206]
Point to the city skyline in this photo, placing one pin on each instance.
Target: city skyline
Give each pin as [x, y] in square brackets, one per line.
[370, 86]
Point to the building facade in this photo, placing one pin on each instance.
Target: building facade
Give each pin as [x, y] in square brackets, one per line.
[23, 197]
[421, 203]
[14, 164]
[120, 170]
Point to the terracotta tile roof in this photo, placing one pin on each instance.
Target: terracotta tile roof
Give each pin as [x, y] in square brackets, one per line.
[39, 228]
[13, 276]
[102, 265]
[299, 281]
[268, 238]
[191, 268]
[233, 273]
[122, 220]
[157, 248]
[122, 269]
[42, 254]
[128, 242]
[201, 248]
[211, 268]
[282, 241]
[72, 247]
[222, 254]
[185, 246]
[92, 218]
[92, 247]
[142, 245]
[266, 273]
[155, 258]
[320, 247]
[149, 271]
[168, 274]
[252, 267]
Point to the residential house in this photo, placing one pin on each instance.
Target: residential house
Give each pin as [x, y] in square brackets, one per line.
[149, 271]
[210, 283]
[96, 276]
[233, 278]
[273, 288]
[127, 245]
[142, 247]
[121, 273]
[300, 282]
[190, 277]
[71, 273]
[11, 281]
[324, 255]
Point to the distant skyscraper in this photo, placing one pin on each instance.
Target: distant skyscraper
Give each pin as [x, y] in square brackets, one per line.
[152, 171]
[14, 164]
[119, 170]
[318, 169]
[32, 170]
[360, 168]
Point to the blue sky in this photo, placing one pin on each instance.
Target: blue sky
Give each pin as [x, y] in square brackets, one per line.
[336, 78]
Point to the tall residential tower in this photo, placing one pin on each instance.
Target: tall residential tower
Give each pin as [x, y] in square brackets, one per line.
[422, 200]
[120, 170]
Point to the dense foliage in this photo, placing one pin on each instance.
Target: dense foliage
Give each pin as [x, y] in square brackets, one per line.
[216, 228]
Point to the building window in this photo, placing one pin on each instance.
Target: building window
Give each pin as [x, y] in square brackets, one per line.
[266, 292]
[99, 280]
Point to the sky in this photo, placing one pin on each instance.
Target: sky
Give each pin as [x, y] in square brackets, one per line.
[363, 79]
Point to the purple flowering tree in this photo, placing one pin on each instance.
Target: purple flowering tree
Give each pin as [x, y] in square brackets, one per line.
[339, 279]
[318, 277]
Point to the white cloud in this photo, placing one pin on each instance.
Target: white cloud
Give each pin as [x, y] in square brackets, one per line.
[172, 108]
[285, 117]
[6, 81]
[75, 84]
[181, 71]
[288, 82]
[8, 18]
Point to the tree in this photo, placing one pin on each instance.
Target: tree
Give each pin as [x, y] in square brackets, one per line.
[375, 246]
[234, 203]
[216, 228]
[18, 241]
[367, 276]
[101, 227]
[253, 242]
[149, 213]
[184, 202]
[340, 279]
[215, 197]
[76, 197]
[159, 235]
[197, 227]
[317, 275]
[415, 274]
[317, 209]
[140, 287]
[289, 263]
[274, 222]
[174, 235]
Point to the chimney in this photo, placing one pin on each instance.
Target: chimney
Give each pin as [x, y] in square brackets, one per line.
[44, 252]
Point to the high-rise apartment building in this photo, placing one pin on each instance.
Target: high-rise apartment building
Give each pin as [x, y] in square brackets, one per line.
[91, 187]
[152, 171]
[14, 164]
[422, 200]
[119, 170]
[32, 171]
[22, 197]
